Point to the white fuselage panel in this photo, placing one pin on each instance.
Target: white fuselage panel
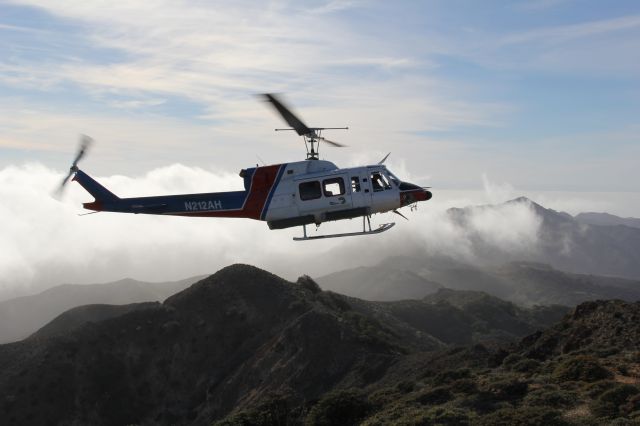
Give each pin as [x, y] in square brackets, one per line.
[319, 188]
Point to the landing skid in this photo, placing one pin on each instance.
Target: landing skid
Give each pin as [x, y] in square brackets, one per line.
[380, 229]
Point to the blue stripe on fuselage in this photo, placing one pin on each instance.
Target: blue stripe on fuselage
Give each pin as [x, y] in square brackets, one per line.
[188, 203]
[265, 209]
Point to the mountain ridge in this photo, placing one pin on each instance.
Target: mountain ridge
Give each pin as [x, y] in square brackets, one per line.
[561, 241]
[227, 343]
[525, 283]
[606, 219]
[22, 316]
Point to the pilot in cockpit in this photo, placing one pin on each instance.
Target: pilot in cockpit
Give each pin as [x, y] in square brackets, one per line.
[376, 181]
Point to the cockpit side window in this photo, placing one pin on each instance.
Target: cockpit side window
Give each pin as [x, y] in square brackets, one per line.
[379, 182]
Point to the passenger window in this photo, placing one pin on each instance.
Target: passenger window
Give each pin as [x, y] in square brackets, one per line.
[355, 184]
[379, 182]
[333, 187]
[309, 190]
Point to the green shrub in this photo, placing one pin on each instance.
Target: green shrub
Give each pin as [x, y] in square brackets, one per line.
[467, 386]
[581, 368]
[609, 403]
[435, 396]
[511, 360]
[509, 389]
[274, 411]
[631, 406]
[621, 421]
[339, 407]
[398, 414]
[406, 386]
[522, 416]
[526, 366]
[594, 390]
[446, 416]
[606, 352]
[449, 376]
[481, 402]
[384, 396]
[418, 415]
[549, 397]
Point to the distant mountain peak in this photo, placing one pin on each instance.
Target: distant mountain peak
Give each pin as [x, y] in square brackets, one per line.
[522, 199]
[528, 201]
[543, 212]
[235, 282]
[239, 275]
[539, 209]
[241, 270]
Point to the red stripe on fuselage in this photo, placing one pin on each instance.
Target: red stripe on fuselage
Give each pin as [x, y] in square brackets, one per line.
[261, 184]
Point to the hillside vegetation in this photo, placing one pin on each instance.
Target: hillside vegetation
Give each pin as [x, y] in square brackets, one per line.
[245, 347]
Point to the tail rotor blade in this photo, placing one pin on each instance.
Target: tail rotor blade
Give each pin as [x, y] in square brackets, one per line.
[85, 143]
[58, 192]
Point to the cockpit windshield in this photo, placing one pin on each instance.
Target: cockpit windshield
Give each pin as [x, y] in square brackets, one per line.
[379, 181]
[393, 178]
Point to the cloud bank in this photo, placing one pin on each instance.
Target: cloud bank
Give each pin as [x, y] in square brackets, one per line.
[45, 242]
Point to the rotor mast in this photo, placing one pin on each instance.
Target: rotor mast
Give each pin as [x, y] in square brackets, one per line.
[312, 140]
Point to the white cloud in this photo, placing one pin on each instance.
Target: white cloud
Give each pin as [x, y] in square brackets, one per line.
[152, 58]
[497, 192]
[591, 47]
[512, 227]
[44, 241]
[216, 55]
[568, 32]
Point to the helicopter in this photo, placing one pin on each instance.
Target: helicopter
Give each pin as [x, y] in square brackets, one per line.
[285, 195]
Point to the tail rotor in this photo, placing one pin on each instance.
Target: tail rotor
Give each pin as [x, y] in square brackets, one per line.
[85, 143]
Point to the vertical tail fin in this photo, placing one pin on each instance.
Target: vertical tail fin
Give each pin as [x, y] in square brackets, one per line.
[101, 194]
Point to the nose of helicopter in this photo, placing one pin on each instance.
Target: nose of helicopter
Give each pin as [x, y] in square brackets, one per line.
[411, 193]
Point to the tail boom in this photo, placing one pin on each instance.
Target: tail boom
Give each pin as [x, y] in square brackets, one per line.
[251, 203]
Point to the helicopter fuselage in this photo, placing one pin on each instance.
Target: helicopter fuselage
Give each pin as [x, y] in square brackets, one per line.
[283, 195]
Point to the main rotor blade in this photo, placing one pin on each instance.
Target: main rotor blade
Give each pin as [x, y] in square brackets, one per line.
[288, 116]
[332, 143]
[384, 159]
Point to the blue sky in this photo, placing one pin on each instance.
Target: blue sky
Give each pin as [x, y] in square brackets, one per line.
[542, 94]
